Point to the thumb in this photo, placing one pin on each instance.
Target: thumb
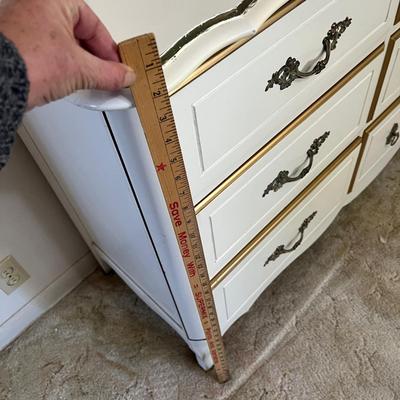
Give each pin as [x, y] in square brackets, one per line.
[105, 75]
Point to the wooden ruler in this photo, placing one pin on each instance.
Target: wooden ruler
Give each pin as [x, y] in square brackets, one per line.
[155, 112]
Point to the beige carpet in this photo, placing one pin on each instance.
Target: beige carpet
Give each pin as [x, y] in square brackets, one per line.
[328, 328]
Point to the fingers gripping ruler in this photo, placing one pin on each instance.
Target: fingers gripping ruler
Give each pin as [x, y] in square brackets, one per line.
[155, 112]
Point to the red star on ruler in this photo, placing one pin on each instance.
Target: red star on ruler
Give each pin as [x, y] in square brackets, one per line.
[161, 167]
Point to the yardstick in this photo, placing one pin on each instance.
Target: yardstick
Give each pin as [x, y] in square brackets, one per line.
[155, 112]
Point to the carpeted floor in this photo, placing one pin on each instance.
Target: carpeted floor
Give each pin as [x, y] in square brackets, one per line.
[327, 328]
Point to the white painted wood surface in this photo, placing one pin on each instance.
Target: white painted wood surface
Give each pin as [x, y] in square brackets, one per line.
[225, 115]
[131, 142]
[241, 288]
[240, 212]
[84, 161]
[82, 156]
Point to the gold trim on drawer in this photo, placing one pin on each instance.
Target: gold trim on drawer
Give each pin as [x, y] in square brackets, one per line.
[365, 137]
[281, 216]
[286, 131]
[381, 117]
[358, 163]
[382, 75]
[285, 9]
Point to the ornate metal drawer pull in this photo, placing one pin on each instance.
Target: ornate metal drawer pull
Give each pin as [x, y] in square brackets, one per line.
[281, 249]
[393, 135]
[290, 71]
[283, 176]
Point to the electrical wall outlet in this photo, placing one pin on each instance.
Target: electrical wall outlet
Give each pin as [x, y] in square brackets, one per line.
[12, 275]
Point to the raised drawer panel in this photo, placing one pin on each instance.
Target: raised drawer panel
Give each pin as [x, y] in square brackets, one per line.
[381, 145]
[225, 115]
[389, 85]
[231, 220]
[237, 292]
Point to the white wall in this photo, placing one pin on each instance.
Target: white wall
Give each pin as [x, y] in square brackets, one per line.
[36, 230]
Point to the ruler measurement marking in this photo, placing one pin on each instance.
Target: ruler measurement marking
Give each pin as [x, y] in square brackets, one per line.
[152, 67]
[159, 81]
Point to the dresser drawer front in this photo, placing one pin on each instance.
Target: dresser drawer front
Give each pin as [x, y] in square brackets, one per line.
[225, 115]
[235, 294]
[231, 220]
[382, 144]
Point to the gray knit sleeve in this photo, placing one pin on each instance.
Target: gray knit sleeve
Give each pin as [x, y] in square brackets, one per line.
[14, 88]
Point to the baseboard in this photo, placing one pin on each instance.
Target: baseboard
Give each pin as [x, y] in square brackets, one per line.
[46, 299]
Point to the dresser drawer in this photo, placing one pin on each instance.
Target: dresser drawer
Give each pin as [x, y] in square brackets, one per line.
[389, 82]
[242, 209]
[294, 233]
[225, 115]
[381, 142]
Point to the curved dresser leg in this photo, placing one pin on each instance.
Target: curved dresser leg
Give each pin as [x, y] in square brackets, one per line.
[202, 353]
[205, 361]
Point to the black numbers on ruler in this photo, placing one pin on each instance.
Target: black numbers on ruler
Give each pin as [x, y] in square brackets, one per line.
[157, 93]
[163, 118]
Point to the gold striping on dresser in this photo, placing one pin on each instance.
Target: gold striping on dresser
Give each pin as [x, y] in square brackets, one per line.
[382, 76]
[381, 117]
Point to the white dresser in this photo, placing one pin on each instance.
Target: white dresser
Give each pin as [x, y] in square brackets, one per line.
[286, 111]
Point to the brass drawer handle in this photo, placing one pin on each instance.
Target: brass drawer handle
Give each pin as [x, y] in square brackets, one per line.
[281, 249]
[288, 73]
[283, 176]
[393, 135]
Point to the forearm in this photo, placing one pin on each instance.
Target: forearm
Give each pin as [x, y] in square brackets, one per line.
[14, 89]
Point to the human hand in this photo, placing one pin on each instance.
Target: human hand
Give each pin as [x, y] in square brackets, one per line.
[65, 48]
